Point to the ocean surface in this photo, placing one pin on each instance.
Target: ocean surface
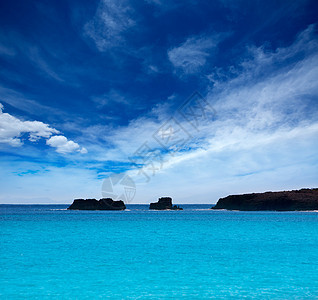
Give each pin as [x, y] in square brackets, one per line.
[47, 252]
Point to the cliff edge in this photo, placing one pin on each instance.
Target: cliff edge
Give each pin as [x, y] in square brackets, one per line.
[304, 199]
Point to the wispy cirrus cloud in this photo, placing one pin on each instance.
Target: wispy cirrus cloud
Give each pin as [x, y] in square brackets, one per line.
[26, 52]
[164, 6]
[23, 103]
[35, 56]
[111, 21]
[113, 97]
[269, 91]
[13, 129]
[6, 51]
[192, 55]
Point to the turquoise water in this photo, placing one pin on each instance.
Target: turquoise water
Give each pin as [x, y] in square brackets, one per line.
[49, 252]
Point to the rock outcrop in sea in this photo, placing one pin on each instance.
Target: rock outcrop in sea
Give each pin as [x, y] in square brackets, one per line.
[304, 199]
[163, 204]
[93, 204]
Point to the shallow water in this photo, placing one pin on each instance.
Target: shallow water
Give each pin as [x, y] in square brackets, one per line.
[47, 251]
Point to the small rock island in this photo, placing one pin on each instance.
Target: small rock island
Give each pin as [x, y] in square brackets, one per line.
[93, 204]
[296, 200]
[164, 203]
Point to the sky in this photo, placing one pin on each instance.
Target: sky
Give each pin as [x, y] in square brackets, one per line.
[190, 99]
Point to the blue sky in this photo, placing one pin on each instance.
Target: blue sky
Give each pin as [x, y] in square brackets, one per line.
[89, 88]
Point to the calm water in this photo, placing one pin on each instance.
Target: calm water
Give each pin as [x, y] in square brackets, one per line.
[49, 252]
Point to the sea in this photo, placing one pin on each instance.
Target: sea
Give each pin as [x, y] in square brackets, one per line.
[49, 252]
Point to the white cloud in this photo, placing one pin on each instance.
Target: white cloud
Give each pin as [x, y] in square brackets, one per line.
[111, 21]
[192, 55]
[63, 145]
[12, 130]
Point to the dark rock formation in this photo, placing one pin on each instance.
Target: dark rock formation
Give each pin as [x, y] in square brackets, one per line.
[93, 204]
[164, 203]
[304, 199]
